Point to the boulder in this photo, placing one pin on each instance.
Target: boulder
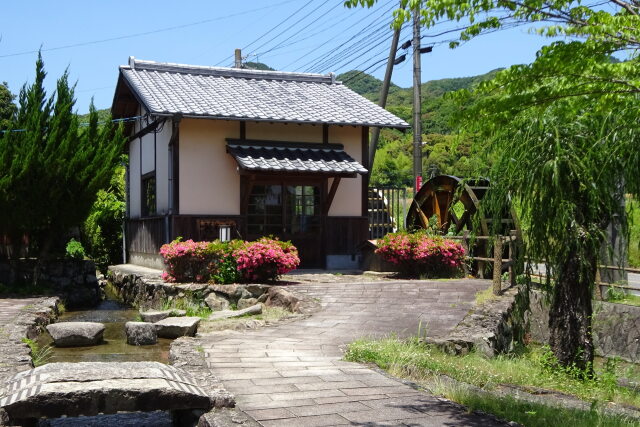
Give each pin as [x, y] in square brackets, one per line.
[174, 327]
[227, 314]
[279, 297]
[76, 334]
[216, 302]
[247, 302]
[141, 333]
[233, 293]
[257, 290]
[91, 388]
[154, 316]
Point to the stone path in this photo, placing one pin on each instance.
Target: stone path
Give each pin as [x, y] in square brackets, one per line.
[292, 374]
[11, 307]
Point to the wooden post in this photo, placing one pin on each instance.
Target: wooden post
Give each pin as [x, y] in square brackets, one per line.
[465, 245]
[598, 288]
[512, 259]
[497, 265]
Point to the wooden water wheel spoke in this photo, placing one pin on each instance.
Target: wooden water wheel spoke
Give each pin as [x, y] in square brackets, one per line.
[456, 204]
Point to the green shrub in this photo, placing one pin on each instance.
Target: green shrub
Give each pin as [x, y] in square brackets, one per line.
[75, 250]
[102, 230]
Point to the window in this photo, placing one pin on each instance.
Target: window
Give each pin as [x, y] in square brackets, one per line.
[149, 194]
[284, 210]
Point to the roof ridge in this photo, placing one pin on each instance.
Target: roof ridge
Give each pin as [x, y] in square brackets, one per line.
[171, 67]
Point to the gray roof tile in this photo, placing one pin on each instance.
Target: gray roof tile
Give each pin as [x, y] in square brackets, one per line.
[304, 158]
[230, 93]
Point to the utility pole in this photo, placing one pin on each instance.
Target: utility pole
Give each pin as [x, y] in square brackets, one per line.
[384, 92]
[238, 58]
[417, 104]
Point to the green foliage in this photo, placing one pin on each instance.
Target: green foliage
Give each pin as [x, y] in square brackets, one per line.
[257, 66]
[102, 230]
[7, 107]
[195, 307]
[536, 367]
[51, 172]
[39, 355]
[75, 250]
[633, 215]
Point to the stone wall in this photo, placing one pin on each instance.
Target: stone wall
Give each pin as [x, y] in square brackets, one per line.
[15, 355]
[143, 288]
[73, 280]
[616, 327]
[491, 328]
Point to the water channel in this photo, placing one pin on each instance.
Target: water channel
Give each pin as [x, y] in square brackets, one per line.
[114, 348]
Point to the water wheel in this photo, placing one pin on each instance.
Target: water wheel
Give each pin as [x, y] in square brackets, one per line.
[453, 206]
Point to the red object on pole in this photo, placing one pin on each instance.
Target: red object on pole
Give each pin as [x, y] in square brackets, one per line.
[418, 183]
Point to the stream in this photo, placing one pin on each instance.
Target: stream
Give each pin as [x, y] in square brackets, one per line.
[114, 348]
[113, 314]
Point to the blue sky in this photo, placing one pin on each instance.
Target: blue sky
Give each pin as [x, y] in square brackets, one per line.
[206, 33]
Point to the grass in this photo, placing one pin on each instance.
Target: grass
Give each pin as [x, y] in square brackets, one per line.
[39, 355]
[485, 296]
[620, 296]
[194, 308]
[269, 315]
[533, 368]
[526, 413]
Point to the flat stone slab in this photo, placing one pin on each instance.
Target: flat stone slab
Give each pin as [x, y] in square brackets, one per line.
[227, 314]
[141, 333]
[174, 327]
[154, 316]
[76, 334]
[92, 388]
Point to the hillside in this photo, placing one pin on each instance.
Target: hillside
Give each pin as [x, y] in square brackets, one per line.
[436, 111]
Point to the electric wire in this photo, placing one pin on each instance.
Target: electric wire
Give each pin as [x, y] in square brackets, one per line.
[145, 33]
[269, 31]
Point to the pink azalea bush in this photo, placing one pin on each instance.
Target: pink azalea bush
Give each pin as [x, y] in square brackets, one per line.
[228, 262]
[421, 254]
[187, 261]
[266, 259]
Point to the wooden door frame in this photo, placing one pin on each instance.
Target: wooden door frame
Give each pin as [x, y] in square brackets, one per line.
[247, 181]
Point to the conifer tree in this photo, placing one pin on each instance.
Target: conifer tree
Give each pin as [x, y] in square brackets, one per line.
[51, 167]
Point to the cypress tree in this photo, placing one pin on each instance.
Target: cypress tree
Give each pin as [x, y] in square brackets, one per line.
[51, 167]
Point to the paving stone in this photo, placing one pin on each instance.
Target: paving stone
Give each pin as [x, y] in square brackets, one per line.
[296, 368]
[313, 421]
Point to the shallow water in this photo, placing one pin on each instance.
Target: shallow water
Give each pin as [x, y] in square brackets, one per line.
[114, 348]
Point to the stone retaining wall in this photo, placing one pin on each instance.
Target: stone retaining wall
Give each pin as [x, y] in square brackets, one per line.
[491, 328]
[616, 327]
[73, 280]
[144, 289]
[15, 355]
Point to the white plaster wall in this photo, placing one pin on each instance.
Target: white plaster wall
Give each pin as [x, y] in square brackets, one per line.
[209, 180]
[284, 132]
[148, 153]
[347, 201]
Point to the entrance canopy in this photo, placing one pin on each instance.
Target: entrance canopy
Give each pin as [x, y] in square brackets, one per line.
[292, 157]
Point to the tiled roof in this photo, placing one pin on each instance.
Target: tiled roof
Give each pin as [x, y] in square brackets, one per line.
[237, 94]
[327, 159]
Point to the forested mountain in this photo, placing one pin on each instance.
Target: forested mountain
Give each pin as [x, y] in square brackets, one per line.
[443, 150]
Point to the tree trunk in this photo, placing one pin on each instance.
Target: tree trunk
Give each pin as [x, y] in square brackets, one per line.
[571, 311]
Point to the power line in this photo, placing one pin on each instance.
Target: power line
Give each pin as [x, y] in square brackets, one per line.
[146, 33]
[85, 124]
[315, 24]
[272, 29]
[364, 19]
[327, 55]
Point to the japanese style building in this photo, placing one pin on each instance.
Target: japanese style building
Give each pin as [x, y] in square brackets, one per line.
[237, 153]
